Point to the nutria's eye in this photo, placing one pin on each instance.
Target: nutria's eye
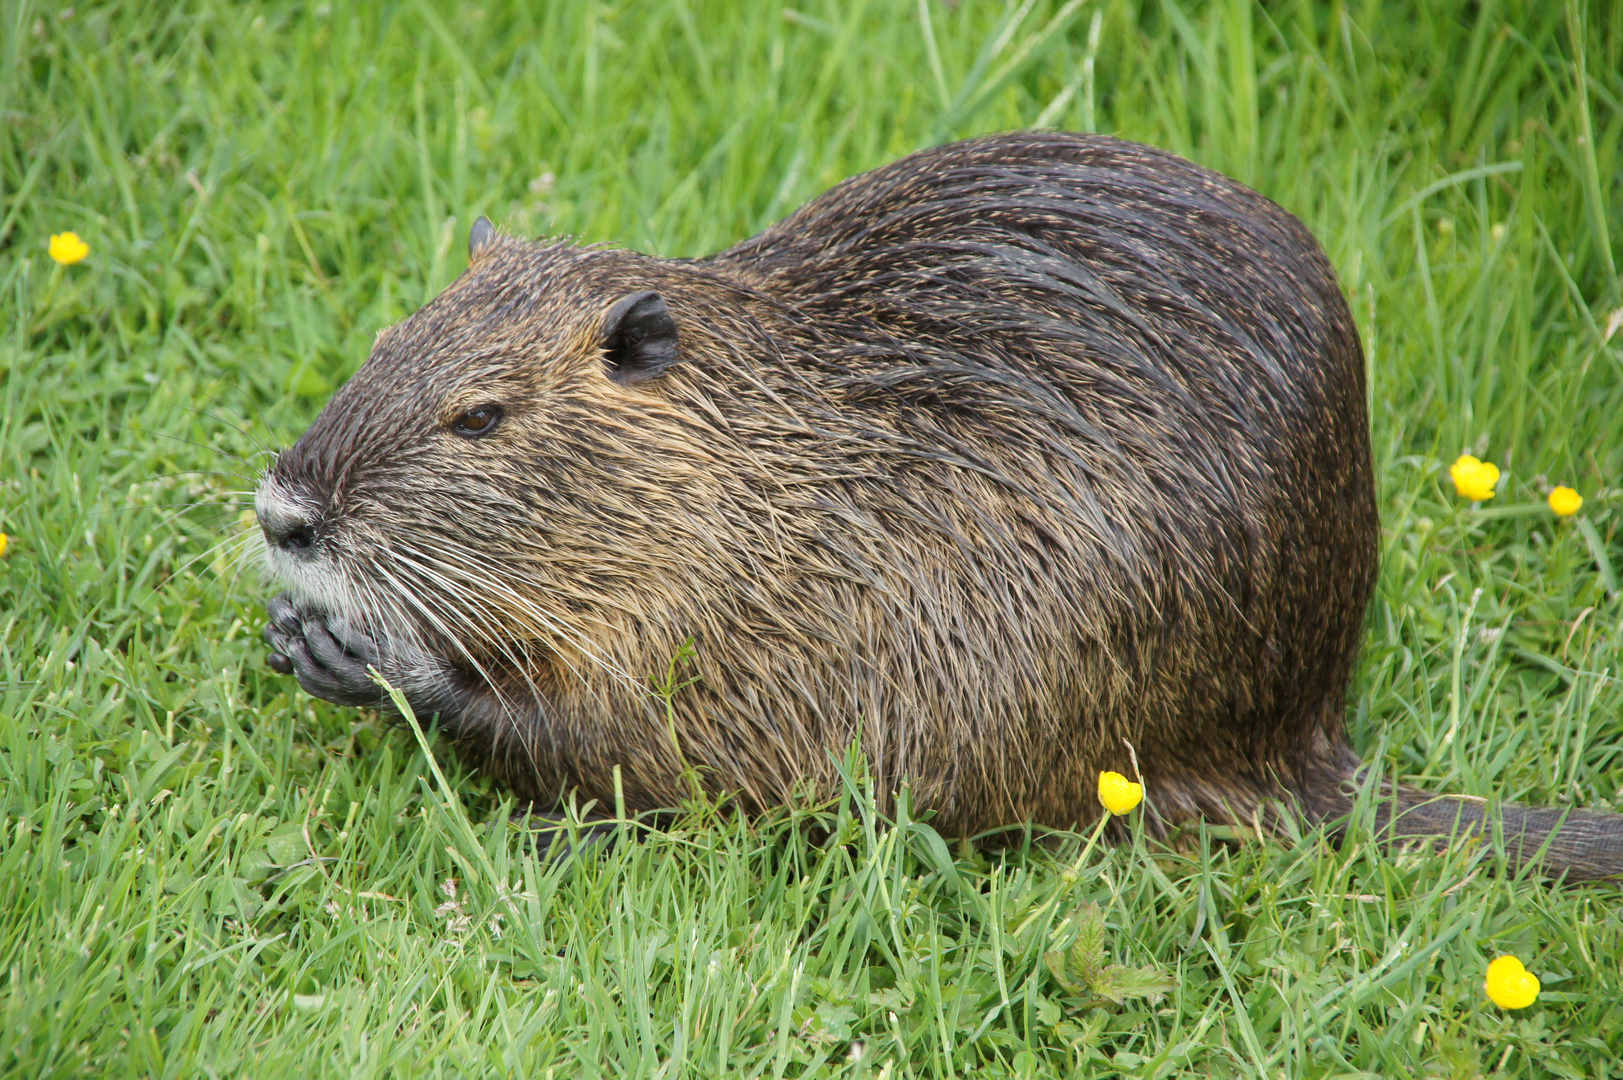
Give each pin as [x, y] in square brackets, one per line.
[477, 421]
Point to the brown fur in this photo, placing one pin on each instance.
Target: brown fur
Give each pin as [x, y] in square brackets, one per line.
[994, 460]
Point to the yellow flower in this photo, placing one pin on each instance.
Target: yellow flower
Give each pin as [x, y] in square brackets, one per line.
[1509, 985]
[1565, 502]
[67, 249]
[1119, 794]
[1474, 479]
[5, 542]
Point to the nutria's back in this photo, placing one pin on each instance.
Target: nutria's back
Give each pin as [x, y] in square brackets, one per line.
[996, 460]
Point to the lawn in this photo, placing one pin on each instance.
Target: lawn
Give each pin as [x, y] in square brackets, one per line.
[203, 871]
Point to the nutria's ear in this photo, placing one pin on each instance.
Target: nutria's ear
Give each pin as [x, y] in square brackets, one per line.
[480, 237]
[639, 338]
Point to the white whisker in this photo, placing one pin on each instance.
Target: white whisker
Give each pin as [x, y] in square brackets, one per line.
[548, 624]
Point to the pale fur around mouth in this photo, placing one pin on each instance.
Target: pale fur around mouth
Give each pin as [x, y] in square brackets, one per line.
[320, 582]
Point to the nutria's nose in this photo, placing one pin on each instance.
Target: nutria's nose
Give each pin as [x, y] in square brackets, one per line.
[292, 537]
[285, 524]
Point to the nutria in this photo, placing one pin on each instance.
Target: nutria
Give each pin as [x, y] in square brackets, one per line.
[993, 460]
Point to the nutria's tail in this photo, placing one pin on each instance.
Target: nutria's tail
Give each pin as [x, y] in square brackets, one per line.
[1582, 845]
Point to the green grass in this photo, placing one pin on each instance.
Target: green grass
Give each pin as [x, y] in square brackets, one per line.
[205, 872]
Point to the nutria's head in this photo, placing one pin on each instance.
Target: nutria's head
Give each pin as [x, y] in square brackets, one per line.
[504, 482]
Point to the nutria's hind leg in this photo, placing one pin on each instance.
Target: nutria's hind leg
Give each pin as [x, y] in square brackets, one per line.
[1249, 799]
[1324, 779]
[1296, 774]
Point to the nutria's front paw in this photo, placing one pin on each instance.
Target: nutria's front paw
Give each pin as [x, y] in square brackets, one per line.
[330, 661]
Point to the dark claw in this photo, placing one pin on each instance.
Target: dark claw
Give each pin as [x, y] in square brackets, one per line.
[279, 663]
[327, 650]
[552, 834]
[283, 614]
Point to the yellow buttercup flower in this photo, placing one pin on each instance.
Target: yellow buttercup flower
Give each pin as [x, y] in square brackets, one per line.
[5, 542]
[1474, 479]
[1119, 794]
[1565, 502]
[1509, 985]
[67, 249]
